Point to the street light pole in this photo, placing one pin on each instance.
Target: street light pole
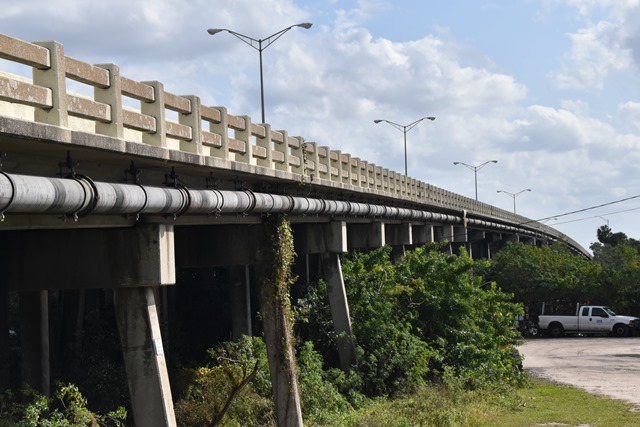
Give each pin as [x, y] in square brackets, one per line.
[405, 129]
[475, 171]
[514, 195]
[260, 47]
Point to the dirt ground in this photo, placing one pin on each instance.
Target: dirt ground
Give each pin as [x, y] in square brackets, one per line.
[601, 365]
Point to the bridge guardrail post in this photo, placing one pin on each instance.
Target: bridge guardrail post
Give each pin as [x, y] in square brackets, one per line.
[313, 160]
[297, 150]
[392, 182]
[244, 135]
[324, 156]
[265, 142]
[221, 129]
[355, 172]
[363, 177]
[336, 165]
[53, 78]
[282, 147]
[156, 110]
[345, 162]
[194, 121]
[111, 96]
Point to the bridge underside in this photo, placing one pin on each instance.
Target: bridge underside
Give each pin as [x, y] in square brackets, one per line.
[131, 267]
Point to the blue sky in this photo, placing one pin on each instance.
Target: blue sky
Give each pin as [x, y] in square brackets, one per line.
[549, 88]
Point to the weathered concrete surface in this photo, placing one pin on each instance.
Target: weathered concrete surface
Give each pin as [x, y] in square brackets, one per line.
[601, 365]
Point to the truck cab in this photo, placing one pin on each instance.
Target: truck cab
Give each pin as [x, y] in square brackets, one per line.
[597, 319]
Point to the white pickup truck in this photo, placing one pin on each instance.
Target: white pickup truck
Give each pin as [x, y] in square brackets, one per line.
[589, 319]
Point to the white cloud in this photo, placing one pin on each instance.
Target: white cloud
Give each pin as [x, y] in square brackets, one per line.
[595, 52]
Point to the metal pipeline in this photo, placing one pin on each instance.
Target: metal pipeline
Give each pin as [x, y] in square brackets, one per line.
[81, 196]
[22, 193]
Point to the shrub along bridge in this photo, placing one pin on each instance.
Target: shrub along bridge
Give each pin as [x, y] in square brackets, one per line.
[98, 195]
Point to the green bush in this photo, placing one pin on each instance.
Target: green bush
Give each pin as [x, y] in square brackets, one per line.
[233, 390]
[320, 397]
[470, 322]
[416, 319]
[68, 408]
[391, 355]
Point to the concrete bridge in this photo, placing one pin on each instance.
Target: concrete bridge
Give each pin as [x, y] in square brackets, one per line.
[121, 189]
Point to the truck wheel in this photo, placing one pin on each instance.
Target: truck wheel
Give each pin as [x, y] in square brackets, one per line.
[620, 330]
[556, 330]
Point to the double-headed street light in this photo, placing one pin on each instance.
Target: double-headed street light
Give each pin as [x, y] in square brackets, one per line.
[514, 195]
[260, 45]
[405, 129]
[475, 170]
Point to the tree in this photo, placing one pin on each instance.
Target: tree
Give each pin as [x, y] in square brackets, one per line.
[620, 275]
[547, 274]
[607, 236]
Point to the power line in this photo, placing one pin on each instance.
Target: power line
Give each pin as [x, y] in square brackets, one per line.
[585, 209]
[596, 216]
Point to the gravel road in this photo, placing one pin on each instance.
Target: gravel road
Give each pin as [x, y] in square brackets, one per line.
[602, 365]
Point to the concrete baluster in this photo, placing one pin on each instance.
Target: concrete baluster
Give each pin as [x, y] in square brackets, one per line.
[194, 121]
[283, 147]
[354, 167]
[313, 160]
[244, 135]
[335, 156]
[221, 129]
[363, 176]
[325, 160]
[345, 174]
[111, 96]
[155, 109]
[371, 175]
[53, 78]
[265, 142]
[297, 150]
[393, 182]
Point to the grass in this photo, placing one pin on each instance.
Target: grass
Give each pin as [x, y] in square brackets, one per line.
[544, 403]
[541, 403]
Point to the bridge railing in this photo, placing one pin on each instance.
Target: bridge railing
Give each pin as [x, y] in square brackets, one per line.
[201, 130]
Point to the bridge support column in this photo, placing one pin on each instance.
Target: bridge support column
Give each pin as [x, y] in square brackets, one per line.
[329, 240]
[128, 260]
[34, 309]
[421, 234]
[4, 332]
[366, 236]
[494, 243]
[240, 301]
[398, 236]
[139, 327]
[444, 233]
[529, 240]
[273, 273]
[479, 248]
[459, 239]
[339, 309]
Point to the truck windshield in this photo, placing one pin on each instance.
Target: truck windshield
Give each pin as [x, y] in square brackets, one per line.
[609, 311]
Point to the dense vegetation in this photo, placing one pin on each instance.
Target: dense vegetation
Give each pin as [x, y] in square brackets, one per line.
[433, 324]
[552, 275]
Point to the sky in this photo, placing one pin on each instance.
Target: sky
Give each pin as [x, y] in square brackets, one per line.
[548, 88]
